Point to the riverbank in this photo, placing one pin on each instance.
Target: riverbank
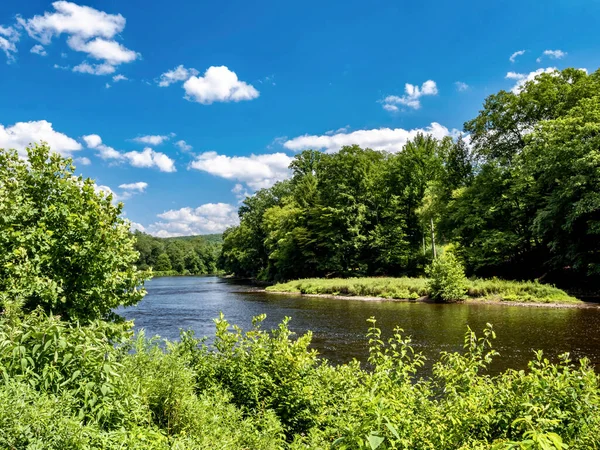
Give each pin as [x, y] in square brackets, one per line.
[415, 289]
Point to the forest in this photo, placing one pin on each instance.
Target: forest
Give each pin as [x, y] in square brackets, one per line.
[189, 255]
[515, 197]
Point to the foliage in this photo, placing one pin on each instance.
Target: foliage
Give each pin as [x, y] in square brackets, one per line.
[189, 255]
[412, 288]
[352, 213]
[517, 199]
[63, 245]
[97, 386]
[447, 281]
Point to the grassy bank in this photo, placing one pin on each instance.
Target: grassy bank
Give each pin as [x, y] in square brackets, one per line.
[413, 288]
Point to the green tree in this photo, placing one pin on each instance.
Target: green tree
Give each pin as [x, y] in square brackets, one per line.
[447, 281]
[163, 263]
[63, 246]
[499, 131]
[561, 166]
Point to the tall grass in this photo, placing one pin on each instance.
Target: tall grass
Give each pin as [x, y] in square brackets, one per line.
[413, 288]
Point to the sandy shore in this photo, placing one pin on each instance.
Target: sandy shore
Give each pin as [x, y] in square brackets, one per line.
[476, 301]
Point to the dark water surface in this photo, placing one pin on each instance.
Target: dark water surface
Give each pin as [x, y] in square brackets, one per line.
[339, 326]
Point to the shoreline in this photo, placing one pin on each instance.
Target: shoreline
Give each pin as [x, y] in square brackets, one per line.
[475, 301]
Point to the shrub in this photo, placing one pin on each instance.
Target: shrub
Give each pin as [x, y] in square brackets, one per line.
[63, 244]
[447, 279]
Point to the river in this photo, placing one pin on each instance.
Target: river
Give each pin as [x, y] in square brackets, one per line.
[339, 326]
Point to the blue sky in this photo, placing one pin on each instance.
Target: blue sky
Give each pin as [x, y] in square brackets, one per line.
[181, 108]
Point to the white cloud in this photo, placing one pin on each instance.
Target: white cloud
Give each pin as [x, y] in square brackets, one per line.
[207, 218]
[179, 73]
[21, 134]
[38, 50]
[89, 31]
[73, 19]
[133, 226]
[95, 69]
[330, 132]
[387, 107]
[412, 96]
[145, 158]
[516, 54]
[92, 140]
[219, 84]
[183, 146]
[257, 171]
[240, 192]
[110, 51]
[388, 139]
[119, 77]
[8, 38]
[461, 87]
[150, 158]
[552, 54]
[83, 161]
[139, 186]
[151, 139]
[522, 78]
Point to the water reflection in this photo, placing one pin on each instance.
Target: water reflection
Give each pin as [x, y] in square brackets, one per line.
[339, 326]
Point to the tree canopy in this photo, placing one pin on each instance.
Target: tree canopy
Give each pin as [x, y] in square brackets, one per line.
[64, 246]
[516, 197]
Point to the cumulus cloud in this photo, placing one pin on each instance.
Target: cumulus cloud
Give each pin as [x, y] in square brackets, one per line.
[552, 54]
[522, 78]
[94, 69]
[150, 158]
[257, 171]
[119, 77]
[133, 226]
[88, 30]
[147, 158]
[151, 139]
[183, 146]
[219, 84]
[21, 134]
[84, 161]
[38, 50]
[388, 139]
[139, 186]
[412, 96]
[110, 51]
[8, 38]
[516, 54]
[179, 73]
[461, 87]
[207, 218]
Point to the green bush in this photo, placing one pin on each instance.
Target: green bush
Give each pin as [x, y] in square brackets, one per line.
[447, 281]
[96, 386]
[63, 244]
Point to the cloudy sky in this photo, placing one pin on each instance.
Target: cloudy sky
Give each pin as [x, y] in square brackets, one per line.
[183, 108]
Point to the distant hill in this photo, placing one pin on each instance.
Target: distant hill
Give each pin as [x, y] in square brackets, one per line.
[184, 255]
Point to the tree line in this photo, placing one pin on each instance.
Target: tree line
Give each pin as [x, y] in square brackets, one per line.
[516, 197]
[191, 255]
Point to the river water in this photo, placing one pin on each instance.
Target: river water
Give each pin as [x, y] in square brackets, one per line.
[339, 326]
